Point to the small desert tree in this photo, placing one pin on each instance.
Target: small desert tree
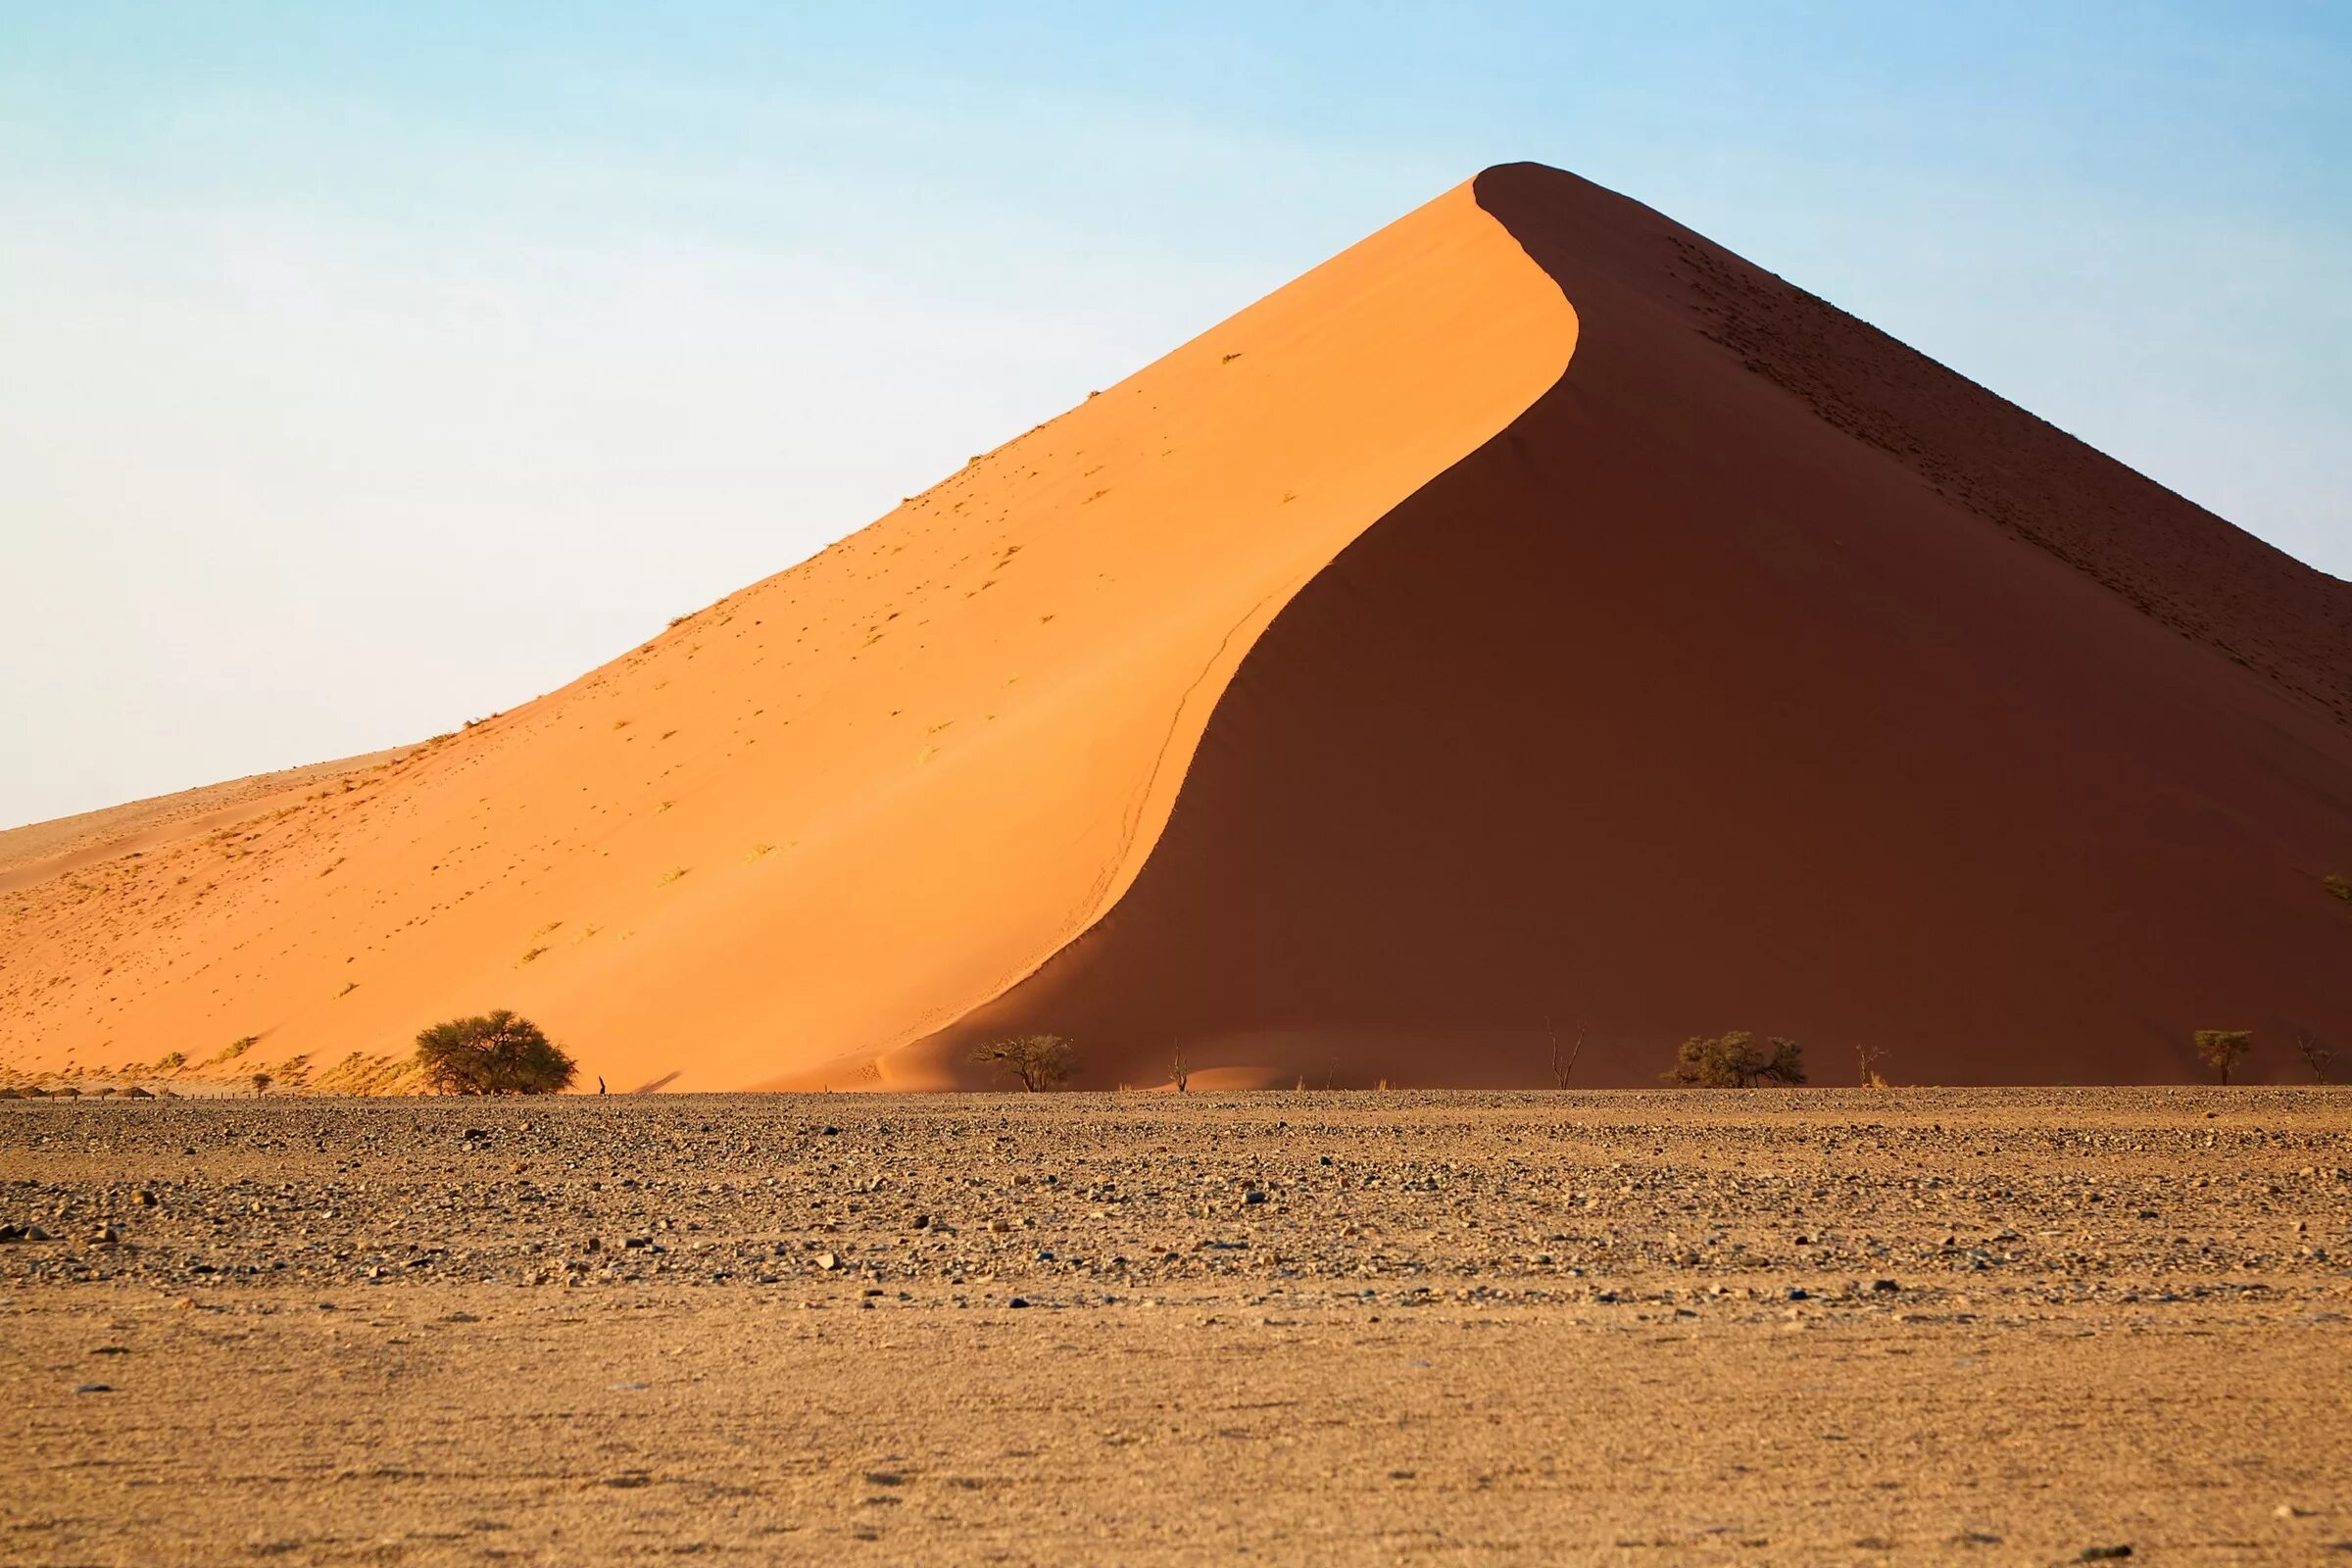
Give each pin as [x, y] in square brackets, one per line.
[2223, 1048]
[1563, 1063]
[1867, 1059]
[1035, 1061]
[496, 1054]
[1734, 1061]
[260, 1083]
[2316, 1055]
[1181, 1068]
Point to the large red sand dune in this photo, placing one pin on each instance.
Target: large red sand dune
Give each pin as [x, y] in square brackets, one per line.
[1534, 623]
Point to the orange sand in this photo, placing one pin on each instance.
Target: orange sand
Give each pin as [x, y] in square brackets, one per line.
[1367, 690]
[833, 812]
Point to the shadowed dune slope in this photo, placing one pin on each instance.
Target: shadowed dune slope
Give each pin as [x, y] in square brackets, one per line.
[835, 810]
[1763, 674]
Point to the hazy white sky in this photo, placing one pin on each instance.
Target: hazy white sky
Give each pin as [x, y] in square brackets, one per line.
[365, 370]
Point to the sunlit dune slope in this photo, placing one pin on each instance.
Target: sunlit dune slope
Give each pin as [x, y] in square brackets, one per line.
[1765, 674]
[834, 812]
[39, 851]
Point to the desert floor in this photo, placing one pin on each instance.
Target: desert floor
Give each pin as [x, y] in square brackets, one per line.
[1806, 1327]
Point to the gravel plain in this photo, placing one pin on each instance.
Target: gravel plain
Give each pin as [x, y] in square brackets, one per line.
[1772, 1326]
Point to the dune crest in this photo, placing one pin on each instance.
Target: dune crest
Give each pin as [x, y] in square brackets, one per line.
[1704, 697]
[833, 812]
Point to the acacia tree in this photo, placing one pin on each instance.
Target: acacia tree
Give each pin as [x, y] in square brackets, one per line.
[1734, 1061]
[496, 1054]
[2222, 1049]
[1036, 1061]
[1181, 1068]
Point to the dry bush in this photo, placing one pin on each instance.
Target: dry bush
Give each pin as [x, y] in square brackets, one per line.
[496, 1054]
[1734, 1061]
[1563, 1066]
[2316, 1055]
[1035, 1061]
[2223, 1048]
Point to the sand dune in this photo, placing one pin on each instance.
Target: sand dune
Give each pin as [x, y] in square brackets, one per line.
[832, 813]
[1536, 621]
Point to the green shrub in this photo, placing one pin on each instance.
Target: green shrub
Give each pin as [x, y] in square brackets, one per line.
[1734, 1061]
[496, 1054]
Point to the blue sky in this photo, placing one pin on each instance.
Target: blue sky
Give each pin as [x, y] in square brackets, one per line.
[370, 368]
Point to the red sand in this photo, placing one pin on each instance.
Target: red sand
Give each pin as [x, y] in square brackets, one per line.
[1758, 673]
[1677, 707]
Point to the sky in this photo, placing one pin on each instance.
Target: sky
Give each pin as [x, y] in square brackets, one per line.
[367, 369]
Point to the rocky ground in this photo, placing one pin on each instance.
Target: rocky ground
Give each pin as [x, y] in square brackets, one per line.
[1914, 1325]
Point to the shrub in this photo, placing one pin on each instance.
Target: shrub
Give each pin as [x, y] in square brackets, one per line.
[496, 1054]
[1734, 1061]
[2223, 1047]
[1036, 1061]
